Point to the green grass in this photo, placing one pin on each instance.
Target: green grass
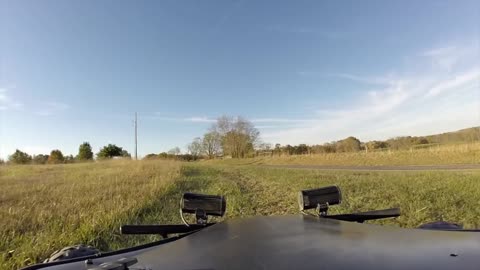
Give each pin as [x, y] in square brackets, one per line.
[43, 208]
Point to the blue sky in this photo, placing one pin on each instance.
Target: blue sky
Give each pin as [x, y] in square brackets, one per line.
[301, 71]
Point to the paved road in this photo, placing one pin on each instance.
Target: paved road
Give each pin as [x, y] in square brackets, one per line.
[452, 167]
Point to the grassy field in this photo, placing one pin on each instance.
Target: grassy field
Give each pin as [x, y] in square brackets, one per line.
[468, 153]
[43, 208]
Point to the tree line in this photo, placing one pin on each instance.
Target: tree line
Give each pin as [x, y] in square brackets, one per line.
[234, 137]
[352, 144]
[56, 156]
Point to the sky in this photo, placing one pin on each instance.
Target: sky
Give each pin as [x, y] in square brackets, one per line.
[301, 71]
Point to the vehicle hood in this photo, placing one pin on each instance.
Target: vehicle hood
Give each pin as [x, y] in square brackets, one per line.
[306, 242]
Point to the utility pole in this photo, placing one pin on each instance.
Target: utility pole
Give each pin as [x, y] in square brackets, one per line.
[135, 123]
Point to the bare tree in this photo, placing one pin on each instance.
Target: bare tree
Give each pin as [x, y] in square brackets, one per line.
[211, 144]
[174, 151]
[238, 135]
[195, 148]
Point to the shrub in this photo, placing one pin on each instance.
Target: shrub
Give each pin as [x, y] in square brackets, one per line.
[20, 157]
[56, 157]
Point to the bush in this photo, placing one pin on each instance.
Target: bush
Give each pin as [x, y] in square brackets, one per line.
[40, 159]
[163, 155]
[350, 144]
[111, 151]
[56, 157]
[69, 159]
[150, 156]
[85, 152]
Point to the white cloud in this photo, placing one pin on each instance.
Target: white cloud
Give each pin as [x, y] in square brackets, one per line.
[385, 80]
[439, 51]
[7, 102]
[196, 119]
[51, 108]
[192, 119]
[461, 79]
[281, 126]
[424, 103]
[446, 57]
[280, 120]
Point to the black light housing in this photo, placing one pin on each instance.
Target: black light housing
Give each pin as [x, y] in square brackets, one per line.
[212, 205]
[319, 197]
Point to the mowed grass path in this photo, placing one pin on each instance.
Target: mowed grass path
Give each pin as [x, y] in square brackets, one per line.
[43, 208]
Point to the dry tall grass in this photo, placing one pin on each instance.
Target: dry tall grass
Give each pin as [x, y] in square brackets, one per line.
[47, 207]
[436, 155]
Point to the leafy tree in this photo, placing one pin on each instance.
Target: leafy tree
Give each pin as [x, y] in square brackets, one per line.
[40, 159]
[85, 152]
[325, 148]
[421, 140]
[350, 144]
[125, 154]
[69, 159]
[56, 157]
[301, 149]
[289, 149]
[110, 151]
[278, 149]
[151, 156]
[400, 142]
[376, 145]
[195, 148]
[163, 155]
[19, 157]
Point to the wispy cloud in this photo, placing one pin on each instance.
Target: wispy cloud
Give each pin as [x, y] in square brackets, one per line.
[456, 81]
[446, 57]
[7, 102]
[197, 119]
[281, 126]
[192, 119]
[384, 80]
[264, 123]
[403, 102]
[433, 100]
[281, 120]
[51, 108]
[440, 51]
